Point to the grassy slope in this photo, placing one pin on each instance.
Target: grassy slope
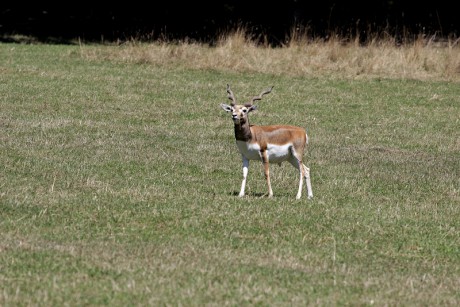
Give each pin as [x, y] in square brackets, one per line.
[119, 186]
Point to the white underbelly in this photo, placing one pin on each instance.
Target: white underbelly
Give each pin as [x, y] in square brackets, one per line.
[276, 153]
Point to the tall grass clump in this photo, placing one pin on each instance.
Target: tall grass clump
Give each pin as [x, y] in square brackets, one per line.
[380, 56]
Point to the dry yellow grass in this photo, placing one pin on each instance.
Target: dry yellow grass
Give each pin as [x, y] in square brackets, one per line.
[421, 59]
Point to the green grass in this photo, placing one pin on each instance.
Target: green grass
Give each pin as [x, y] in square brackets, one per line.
[119, 181]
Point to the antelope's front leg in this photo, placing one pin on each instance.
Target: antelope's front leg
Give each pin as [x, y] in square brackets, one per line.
[245, 175]
[267, 171]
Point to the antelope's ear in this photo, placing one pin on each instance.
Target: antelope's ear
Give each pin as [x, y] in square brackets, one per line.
[252, 108]
[226, 107]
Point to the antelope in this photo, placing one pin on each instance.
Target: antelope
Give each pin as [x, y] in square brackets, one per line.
[269, 144]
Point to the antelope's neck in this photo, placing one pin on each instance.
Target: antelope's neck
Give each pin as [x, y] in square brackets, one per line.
[243, 132]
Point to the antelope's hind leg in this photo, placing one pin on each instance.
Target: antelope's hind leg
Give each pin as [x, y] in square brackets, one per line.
[298, 165]
[307, 179]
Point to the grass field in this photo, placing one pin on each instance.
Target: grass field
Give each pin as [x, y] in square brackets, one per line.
[120, 174]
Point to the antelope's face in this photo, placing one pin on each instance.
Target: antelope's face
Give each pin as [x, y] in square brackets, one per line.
[239, 112]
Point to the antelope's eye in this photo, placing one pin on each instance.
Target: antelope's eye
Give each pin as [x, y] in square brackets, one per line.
[245, 110]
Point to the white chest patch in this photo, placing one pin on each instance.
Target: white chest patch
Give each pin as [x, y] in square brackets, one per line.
[250, 151]
[276, 153]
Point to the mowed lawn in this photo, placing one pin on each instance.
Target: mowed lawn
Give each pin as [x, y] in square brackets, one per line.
[119, 185]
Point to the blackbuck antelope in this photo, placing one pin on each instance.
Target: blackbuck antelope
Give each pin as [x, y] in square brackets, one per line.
[269, 144]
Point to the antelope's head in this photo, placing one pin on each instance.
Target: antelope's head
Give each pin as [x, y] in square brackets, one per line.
[240, 111]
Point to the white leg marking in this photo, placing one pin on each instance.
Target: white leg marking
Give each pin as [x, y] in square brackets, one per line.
[302, 174]
[296, 162]
[245, 175]
[307, 179]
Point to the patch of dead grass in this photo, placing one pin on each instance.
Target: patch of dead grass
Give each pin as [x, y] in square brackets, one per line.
[420, 59]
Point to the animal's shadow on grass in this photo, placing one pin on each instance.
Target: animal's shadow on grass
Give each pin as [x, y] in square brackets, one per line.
[257, 194]
[278, 194]
[250, 194]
